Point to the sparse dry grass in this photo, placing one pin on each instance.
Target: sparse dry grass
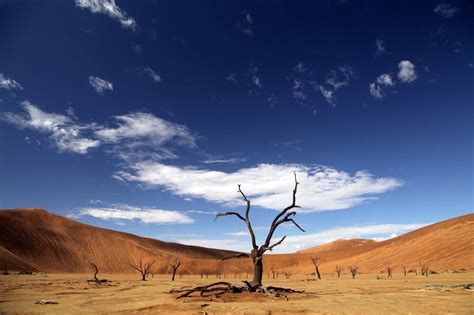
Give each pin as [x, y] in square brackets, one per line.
[127, 294]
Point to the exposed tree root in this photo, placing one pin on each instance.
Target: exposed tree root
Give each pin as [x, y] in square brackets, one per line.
[218, 288]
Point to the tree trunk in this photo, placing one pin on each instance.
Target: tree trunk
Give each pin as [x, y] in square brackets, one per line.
[143, 276]
[174, 273]
[317, 272]
[257, 270]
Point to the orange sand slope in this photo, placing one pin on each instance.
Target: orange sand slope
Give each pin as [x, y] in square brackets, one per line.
[35, 239]
[51, 243]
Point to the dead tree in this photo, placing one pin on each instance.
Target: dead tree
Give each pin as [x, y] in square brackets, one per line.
[404, 270]
[338, 270]
[424, 269]
[273, 273]
[256, 254]
[96, 271]
[142, 268]
[5, 269]
[389, 272]
[174, 266]
[316, 261]
[354, 270]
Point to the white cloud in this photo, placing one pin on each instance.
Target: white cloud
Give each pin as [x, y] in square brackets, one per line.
[246, 25]
[231, 78]
[376, 91]
[100, 85]
[109, 8]
[65, 134]
[228, 160]
[406, 72]
[446, 10]
[9, 84]
[256, 81]
[145, 215]
[137, 49]
[335, 80]
[385, 79]
[238, 234]
[381, 50]
[152, 74]
[300, 68]
[298, 89]
[145, 126]
[267, 185]
[298, 241]
[255, 85]
[328, 95]
[136, 136]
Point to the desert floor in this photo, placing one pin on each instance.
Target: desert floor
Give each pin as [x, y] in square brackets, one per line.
[126, 294]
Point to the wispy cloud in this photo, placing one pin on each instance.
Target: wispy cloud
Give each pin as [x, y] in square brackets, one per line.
[110, 8]
[131, 137]
[376, 88]
[231, 77]
[406, 74]
[255, 86]
[65, 134]
[147, 215]
[137, 49]
[224, 160]
[267, 185]
[446, 10]
[238, 234]
[335, 80]
[406, 71]
[8, 83]
[380, 47]
[100, 85]
[245, 25]
[376, 91]
[152, 74]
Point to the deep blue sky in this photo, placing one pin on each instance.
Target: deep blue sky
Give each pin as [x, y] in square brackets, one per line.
[238, 84]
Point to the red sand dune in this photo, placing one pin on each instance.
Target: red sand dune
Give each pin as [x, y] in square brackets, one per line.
[34, 239]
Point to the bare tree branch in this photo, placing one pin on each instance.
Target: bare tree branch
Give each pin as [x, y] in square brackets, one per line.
[276, 222]
[297, 225]
[270, 248]
[247, 220]
[223, 214]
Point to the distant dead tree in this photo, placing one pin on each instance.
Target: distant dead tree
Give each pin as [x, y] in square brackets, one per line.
[256, 254]
[316, 262]
[424, 269]
[338, 270]
[273, 273]
[142, 268]
[5, 269]
[389, 272]
[404, 270]
[287, 275]
[354, 270]
[174, 266]
[96, 271]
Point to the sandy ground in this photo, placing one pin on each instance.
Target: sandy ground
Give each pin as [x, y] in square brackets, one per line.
[126, 294]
